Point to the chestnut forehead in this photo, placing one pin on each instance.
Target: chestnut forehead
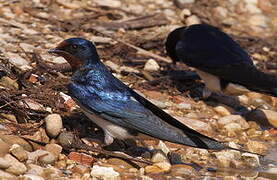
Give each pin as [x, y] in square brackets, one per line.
[63, 44]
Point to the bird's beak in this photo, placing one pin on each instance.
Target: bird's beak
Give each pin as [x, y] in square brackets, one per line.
[55, 51]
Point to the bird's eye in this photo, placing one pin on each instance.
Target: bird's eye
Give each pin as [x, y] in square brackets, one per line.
[74, 46]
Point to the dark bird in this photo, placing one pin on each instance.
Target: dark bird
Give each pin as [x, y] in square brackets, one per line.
[116, 108]
[218, 59]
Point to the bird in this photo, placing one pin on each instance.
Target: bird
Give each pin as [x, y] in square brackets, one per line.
[219, 61]
[118, 109]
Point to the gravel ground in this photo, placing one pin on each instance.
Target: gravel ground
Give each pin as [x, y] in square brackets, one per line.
[43, 135]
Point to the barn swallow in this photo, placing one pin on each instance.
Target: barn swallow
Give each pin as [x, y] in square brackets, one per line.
[217, 59]
[116, 108]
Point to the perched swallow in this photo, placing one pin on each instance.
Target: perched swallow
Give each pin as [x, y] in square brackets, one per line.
[116, 108]
[217, 59]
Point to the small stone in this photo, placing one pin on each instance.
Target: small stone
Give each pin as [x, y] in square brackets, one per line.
[265, 5]
[4, 148]
[66, 139]
[182, 170]
[233, 127]
[16, 168]
[230, 178]
[251, 159]
[185, 13]
[81, 158]
[12, 139]
[104, 173]
[19, 152]
[48, 158]
[235, 89]
[119, 163]
[182, 3]
[27, 47]
[18, 61]
[68, 102]
[4, 164]
[223, 110]
[224, 158]
[258, 20]
[7, 82]
[151, 65]
[34, 169]
[162, 146]
[54, 124]
[243, 99]
[33, 78]
[32, 177]
[5, 175]
[109, 3]
[222, 122]
[220, 12]
[80, 169]
[34, 156]
[256, 146]
[159, 156]
[54, 149]
[192, 20]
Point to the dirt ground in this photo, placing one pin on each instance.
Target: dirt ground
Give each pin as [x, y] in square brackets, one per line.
[127, 35]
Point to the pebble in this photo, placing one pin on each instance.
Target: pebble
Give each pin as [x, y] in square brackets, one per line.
[19, 152]
[12, 139]
[159, 156]
[223, 110]
[235, 89]
[4, 147]
[109, 3]
[5, 175]
[34, 156]
[54, 149]
[251, 159]
[16, 168]
[185, 13]
[182, 170]
[119, 163]
[256, 146]
[162, 146]
[32, 177]
[224, 158]
[54, 124]
[82, 158]
[224, 121]
[192, 20]
[104, 173]
[66, 139]
[27, 47]
[34, 169]
[182, 3]
[4, 164]
[49, 158]
[7, 82]
[80, 169]
[151, 65]
[18, 61]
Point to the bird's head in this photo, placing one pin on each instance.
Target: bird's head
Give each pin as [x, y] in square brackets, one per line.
[77, 52]
[171, 42]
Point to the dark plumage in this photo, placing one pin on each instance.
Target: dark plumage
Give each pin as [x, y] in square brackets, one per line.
[212, 51]
[120, 111]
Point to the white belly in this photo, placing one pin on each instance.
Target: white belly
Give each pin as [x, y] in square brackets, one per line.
[211, 82]
[111, 130]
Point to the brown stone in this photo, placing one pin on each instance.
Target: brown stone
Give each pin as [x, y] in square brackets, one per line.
[82, 158]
